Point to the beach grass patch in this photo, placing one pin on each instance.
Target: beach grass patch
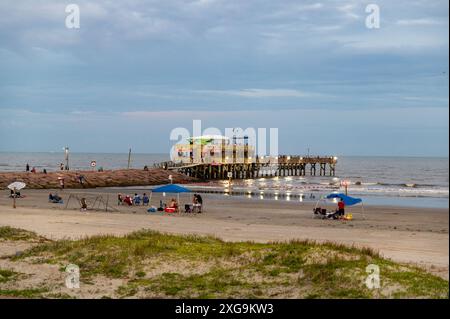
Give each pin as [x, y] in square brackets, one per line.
[8, 275]
[29, 293]
[161, 265]
[15, 234]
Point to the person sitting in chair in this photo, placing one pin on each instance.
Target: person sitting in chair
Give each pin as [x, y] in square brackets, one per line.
[137, 199]
[127, 200]
[173, 204]
[55, 199]
[145, 200]
[197, 204]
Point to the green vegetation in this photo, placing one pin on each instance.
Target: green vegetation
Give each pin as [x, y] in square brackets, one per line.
[14, 234]
[152, 264]
[23, 293]
[7, 275]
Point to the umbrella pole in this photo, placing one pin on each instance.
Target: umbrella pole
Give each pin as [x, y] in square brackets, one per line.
[14, 198]
[362, 206]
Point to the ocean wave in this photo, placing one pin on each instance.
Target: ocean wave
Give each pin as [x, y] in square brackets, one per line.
[406, 185]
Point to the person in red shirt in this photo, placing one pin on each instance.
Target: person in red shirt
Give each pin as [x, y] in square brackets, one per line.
[127, 200]
[341, 208]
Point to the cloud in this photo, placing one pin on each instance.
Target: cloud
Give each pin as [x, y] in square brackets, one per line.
[420, 22]
[258, 93]
[146, 59]
[349, 11]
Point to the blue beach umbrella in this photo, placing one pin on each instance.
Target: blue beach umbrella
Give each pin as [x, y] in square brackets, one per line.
[348, 201]
[172, 189]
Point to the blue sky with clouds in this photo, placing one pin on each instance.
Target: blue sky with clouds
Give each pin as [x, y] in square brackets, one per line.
[137, 69]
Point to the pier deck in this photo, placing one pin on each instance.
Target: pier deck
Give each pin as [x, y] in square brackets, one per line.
[257, 168]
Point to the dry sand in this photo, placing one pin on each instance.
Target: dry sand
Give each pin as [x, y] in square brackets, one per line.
[411, 235]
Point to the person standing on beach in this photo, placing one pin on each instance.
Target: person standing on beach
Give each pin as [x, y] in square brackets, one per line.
[61, 182]
[341, 208]
[61, 166]
[81, 180]
[27, 168]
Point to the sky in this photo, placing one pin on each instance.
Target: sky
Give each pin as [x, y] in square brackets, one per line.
[137, 69]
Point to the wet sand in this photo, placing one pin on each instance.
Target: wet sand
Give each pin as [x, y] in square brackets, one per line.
[410, 235]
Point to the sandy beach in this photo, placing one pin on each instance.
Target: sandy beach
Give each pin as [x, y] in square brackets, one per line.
[407, 235]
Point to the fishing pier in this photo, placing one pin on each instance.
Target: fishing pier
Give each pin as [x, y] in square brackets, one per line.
[215, 157]
[258, 168]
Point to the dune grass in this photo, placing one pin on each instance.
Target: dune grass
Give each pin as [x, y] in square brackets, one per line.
[153, 264]
[15, 234]
[7, 275]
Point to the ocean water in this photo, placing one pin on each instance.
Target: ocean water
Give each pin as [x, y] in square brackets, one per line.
[403, 181]
[77, 161]
[393, 181]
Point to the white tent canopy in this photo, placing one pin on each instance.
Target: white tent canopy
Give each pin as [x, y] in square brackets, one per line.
[16, 186]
